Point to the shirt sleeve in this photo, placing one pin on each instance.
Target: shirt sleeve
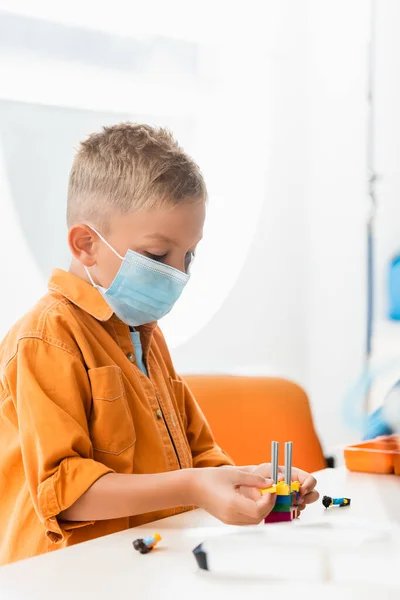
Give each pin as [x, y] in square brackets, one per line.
[52, 397]
[205, 451]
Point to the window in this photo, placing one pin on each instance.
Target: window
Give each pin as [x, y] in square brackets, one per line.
[62, 79]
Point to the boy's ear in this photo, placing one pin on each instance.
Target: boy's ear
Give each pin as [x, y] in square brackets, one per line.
[82, 242]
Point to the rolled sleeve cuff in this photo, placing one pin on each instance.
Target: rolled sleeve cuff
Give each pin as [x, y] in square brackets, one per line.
[72, 479]
[214, 457]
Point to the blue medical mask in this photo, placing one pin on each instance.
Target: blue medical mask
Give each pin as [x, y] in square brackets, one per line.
[143, 289]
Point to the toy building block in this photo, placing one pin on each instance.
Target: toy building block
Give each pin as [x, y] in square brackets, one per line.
[287, 491]
[270, 490]
[283, 489]
[276, 517]
[285, 499]
[279, 508]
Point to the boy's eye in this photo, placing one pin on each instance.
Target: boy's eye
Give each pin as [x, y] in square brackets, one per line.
[157, 257]
[163, 257]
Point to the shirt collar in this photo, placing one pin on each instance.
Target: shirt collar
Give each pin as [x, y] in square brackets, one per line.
[80, 293]
[86, 297]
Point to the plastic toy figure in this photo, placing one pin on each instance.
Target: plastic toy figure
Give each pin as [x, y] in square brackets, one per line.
[327, 501]
[145, 545]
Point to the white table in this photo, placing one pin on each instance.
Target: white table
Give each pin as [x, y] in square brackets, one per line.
[110, 569]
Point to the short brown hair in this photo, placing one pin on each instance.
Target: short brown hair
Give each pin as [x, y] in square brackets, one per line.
[128, 167]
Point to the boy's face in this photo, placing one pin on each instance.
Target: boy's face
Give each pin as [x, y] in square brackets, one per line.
[167, 235]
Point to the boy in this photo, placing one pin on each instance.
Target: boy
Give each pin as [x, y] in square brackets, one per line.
[97, 431]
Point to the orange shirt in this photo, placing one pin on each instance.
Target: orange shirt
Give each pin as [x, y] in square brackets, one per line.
[74, 406]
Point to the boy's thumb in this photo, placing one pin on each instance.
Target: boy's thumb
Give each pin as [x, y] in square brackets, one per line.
[252, 480]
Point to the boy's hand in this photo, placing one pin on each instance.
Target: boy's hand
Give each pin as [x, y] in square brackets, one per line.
[216, 490]
[308, 493]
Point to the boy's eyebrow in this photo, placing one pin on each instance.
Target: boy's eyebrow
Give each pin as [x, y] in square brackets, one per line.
[160, 236]
[166, 239]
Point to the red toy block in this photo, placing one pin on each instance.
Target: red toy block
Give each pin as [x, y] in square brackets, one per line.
[295, 512]
[278, 517]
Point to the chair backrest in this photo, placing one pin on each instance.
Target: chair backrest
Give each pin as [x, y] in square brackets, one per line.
[247, 413]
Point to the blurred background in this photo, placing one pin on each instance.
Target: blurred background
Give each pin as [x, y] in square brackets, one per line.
[271, 99]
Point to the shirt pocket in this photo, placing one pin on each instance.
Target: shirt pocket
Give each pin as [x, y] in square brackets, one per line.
[178, 390]
[111, 426]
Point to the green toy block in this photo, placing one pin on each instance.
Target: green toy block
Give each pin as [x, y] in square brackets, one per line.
[282, 508]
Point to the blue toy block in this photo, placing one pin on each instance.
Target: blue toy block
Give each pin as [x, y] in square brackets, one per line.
[283, 500]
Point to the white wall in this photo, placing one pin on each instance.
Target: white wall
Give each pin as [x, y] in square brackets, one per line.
[296, 306]
[260, 326]
[336, 208]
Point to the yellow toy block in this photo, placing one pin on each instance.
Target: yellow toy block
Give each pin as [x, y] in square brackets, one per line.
[282, 489]
[271, 490]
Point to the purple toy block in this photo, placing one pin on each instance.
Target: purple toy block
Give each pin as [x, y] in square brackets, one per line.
[278, 517]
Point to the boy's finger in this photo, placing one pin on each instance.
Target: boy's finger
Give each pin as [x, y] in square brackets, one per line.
[251, 480]
[310, 498]
[260, 509]
[247, 468]
[250, 492]
[265, 504]
[307, 483]
[254, 511]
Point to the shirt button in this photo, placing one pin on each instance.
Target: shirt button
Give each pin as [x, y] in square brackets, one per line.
[131, 357]
[159, 414]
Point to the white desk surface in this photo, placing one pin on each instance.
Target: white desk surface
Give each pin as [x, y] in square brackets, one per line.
[110, 569]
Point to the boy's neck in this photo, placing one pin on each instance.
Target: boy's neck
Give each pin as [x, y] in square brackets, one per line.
[77, 269]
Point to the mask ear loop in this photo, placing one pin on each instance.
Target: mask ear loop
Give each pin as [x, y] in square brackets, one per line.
[109, 246]
[90, 277]
[105, 242]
